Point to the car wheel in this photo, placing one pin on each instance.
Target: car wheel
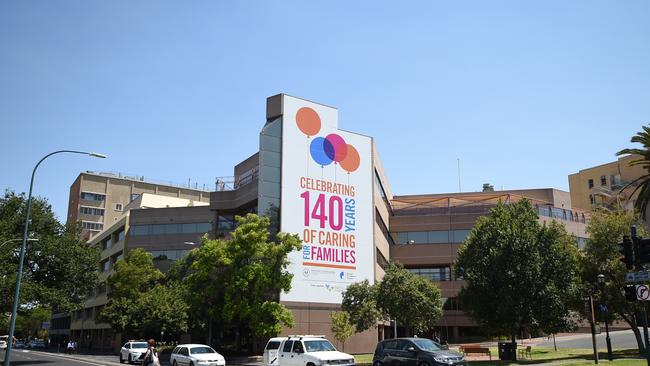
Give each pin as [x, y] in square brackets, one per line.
[423, 364]
[121, 359]
[377, 364]
[310, 364]
[175, 364]
[191, 363]
[130, 359]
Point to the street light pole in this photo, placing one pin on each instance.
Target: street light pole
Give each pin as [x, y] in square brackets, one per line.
[12, 240]
[19, 274]
[601, 281]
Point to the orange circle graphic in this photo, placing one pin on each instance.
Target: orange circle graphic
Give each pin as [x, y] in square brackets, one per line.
[351, 161]
[308, 121]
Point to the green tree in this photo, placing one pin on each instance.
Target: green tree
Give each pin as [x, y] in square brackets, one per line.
[29, 322]
[130, 293]
[414, 302]
[342, 328]
[641, 184]
[519, 274]
[60, 269]
[360, 302]
[163, 308]
[237, 282]
[606, 229]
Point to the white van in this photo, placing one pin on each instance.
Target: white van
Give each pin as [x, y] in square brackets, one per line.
[271, 356]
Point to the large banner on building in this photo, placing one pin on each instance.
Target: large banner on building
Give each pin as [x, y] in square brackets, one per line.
[327, 201]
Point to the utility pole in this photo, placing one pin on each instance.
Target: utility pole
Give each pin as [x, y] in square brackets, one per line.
[644, 316]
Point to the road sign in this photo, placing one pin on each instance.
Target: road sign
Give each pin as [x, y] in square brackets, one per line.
[637, 276]
[602, 308]
[642, 293]
[45, 325]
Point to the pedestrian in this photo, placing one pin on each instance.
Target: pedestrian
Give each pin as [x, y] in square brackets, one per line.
[74, 346]
[151, 355]
[70, 347]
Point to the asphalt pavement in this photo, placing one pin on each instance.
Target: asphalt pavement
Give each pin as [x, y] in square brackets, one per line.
[29, 357]
[623, 339]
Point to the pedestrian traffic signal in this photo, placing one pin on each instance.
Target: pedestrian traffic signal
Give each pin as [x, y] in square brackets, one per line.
[642, 252]
[630, 292]
[627, 251]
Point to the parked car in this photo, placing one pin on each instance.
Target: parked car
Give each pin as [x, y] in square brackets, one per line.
[414, 352]
[133, 351]
[3, 344]
[196, 355]
[19, 344]
[271, 355]
[37, 343]
[311, 351]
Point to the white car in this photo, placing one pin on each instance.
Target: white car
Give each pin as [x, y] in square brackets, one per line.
[133, 351]
[196, 355]
[312, 351]
[3, 344]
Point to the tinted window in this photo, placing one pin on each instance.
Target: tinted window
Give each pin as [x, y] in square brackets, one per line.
[139, 345]
[183, 351]
[127, 346]
[201, 350]
[287, 346]
[297, 347]
[175, 350]
[392, 344]
[403, 344]
[273, 345]
[427, 344]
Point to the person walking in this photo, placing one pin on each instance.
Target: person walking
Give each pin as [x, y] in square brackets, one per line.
[70, 347]
[151, 355]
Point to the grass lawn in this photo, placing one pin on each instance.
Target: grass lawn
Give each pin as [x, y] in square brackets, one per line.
[567, 357]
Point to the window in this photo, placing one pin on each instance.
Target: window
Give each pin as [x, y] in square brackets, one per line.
[419, 237]
[120, 234]
[403, 344]
[433, 274]
[591, 199]
[89, 196]
[381, 260]
[183, 351]
[297, 347]
[168, 254]
[383, 228]
[105, 266]
[225, 223]
[273, 345]
[106, 243]
[432, 237]
[91, 211]
[603, 180]
[441, 236]
[591, 183]
[287, 346]
[392, 344]
[134, 196]
[118, 207]
[163, 229]
[460, 235]
[93, 226]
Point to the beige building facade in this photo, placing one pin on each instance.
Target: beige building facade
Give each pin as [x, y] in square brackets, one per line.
[602, 185]
[98, 199]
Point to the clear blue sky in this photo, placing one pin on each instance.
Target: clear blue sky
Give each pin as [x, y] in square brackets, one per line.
[524, 93]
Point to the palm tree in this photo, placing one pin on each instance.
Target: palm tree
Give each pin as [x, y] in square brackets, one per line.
[641, 184]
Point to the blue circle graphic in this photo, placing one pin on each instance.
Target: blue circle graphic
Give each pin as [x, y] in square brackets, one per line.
[321, 150]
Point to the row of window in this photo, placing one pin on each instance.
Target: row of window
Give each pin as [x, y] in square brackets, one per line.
[91, 211]
[226, 223]
[614, 180]
[163, 229]
[89, 196]
[94, 226]
[168, 254]
[560, 213]
[432, 237]
[433, 274]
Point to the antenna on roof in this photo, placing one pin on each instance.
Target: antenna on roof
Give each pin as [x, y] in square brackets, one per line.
[459, 187]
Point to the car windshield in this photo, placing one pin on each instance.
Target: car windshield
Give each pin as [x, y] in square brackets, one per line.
[319, 346]
[139, 345]
[427, 345]
[201, 350]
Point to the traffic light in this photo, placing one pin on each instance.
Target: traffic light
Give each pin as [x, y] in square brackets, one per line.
[642, 254]
[630, 292]
[627, 252]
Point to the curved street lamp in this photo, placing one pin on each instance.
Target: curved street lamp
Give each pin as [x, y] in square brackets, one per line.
[12, 240]
[19, 274]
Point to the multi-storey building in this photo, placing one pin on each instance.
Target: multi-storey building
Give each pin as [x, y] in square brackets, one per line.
[602, 185]
[98, 199]
[427, 231]
[167, 227]
[329, 187]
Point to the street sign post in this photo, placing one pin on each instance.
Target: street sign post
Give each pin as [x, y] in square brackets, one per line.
[639, 276]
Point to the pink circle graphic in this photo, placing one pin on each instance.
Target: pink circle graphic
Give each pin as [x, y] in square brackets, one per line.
[340, 147]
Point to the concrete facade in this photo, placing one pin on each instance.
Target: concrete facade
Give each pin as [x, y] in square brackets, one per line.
[98, 199]
[601, 185]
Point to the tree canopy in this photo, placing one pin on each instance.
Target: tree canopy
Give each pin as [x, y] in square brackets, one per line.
[520, 274]
[60, 269]
[413, 301]
[642, 183]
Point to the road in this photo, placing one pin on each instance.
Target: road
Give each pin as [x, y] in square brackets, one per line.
[620, 340]
[28, 357]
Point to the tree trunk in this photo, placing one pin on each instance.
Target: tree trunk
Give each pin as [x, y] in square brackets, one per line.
[631, 321]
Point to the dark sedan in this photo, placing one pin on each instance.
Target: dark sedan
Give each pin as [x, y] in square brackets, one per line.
[415, 352]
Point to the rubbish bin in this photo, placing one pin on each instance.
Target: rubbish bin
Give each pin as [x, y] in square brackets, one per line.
[507, 351]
